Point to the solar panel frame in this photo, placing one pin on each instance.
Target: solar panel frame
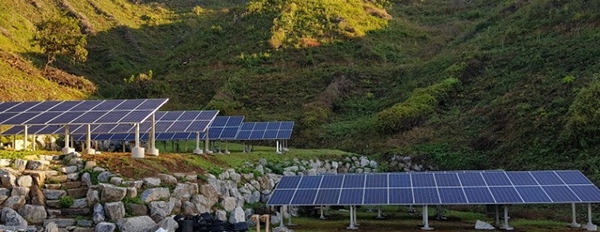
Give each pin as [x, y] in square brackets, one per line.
[265, 130]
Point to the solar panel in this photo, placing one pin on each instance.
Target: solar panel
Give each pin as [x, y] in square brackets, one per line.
[78, 112]
[265, 130]
[435, 188]
[224, 128]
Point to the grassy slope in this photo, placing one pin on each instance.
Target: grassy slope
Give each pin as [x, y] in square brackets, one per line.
[511, 56]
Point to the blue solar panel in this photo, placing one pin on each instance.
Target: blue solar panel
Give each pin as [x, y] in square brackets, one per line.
[400, 180]
[21, 118]
[560, 194]
[43, 118]
[447, 179]
[401, 196]
[257, 135]
[496, 179]
[471, 179]
[354, 181]
[327, 196]
[533, 194]
[261, 126]
[112, 116]
[586, 193]
[426, 196]
[304, 197]
[6, 116]
[136, 116]
[108, 105]
[423, 180]
[44, 106]
[332, 181]
[270, 135]
[89, 117]
[85, 106]
[452, 196]
[242, 135]
[284, 134]
[5, 106]
[547, 178]
[287, 125]
[22, 107]
[148, 104]
[65, 106]
[505, 195]
[573, 177]
[352, 196]
[521, 178]
[377, 181]
[273, 126]
[376, 197]
[478, 195]
[281, 197]
[310, 182]
[220, 122]
[289, 182]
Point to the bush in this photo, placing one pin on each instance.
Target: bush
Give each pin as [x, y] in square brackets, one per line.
[65, 202]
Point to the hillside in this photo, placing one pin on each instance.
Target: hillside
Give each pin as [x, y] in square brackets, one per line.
[468, 84]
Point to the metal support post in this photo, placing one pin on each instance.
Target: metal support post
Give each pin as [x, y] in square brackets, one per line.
[574, 223]
[506, 226]
[281, 217]
[426, 219]
[351, 226]
[379, 216]
[590, 225]
[322, 215]
[198, 150]
[290, 216]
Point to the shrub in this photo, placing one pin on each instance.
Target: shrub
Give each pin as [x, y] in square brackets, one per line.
[66, 202]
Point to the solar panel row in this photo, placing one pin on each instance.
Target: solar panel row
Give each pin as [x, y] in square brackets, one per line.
[461, 187]
[78, 112]
[265, 130]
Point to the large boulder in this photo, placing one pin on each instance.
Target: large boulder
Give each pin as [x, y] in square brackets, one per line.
[151, 182]
[237, 215]
[114, 210]
[11, 218]
[137, 224]
[155, 194]
[33, 213]
[184, 191]
[99, 214]
[14, 202]
[167, 179]
[159, 210]
[111, 193]
[24, 181]
[60, 222]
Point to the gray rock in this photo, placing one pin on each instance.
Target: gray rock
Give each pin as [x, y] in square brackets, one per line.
[68, 169]
[155, 194]
[53, 213]
[33, 213]
[60, 222]
[167, 179]
[51, 227]
[85, 223]
[5, 162]
[87, 179]
[90, 164]
[114, 210]
[151, 182]
[169, 224]
[237, 215]
[116, 180]
[228, 203]
[221, 215]
[160, 209]
[4, 194]
[73, 176]
[12, 218]
[14, 202]
[20, 164]
[7, 178]
[99, 213]
[131, 192]
[52, 194]
[136, 184]
[111, 193]
[37, 165]
[201, 203]
[189, 208]
[79, 203]
[92, 196]
[136, 209]
[184, 191]
[105, 227]
[137, 224]
[104, 176]
[24, 181]
[176, 205]
[20, 191]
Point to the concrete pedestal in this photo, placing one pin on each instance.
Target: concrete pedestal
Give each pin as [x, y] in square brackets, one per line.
[90, 151]
[153, 151]
[137, 152]
[67, 150]
[198, 151]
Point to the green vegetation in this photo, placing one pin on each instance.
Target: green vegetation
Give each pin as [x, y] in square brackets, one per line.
[60, 35]
[65, 201]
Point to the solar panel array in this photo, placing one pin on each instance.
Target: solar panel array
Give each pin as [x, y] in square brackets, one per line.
[265, 130]
[78, 112]
[437, 188]
[224, 128]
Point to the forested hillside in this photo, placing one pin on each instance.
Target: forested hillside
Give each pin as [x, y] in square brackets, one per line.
[468, 84]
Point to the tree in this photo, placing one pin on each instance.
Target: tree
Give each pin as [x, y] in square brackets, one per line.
[61, 35]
